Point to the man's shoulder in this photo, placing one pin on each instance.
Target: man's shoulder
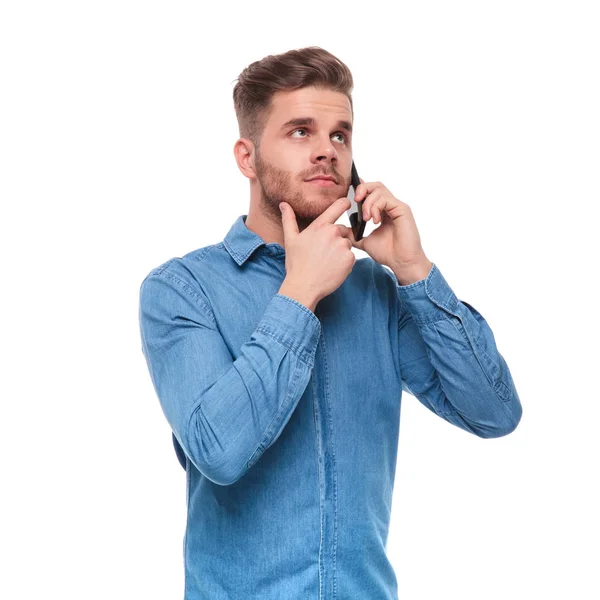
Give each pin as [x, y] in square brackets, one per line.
[189, 265]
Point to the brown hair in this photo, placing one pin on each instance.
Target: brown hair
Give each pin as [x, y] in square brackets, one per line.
[258, 82]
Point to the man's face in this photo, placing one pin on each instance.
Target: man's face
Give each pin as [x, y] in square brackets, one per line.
[290, 154]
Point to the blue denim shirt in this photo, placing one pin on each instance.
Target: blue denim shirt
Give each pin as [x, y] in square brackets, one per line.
[288, 419]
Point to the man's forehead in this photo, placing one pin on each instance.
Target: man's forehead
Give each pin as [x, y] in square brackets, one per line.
[310, 103]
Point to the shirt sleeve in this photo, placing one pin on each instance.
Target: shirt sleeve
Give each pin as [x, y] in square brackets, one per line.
[225, 413]
[449, 360]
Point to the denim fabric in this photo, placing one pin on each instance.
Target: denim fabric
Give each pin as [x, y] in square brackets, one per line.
[288, 419]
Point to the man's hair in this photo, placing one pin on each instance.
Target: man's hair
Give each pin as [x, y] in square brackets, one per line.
[295, 69]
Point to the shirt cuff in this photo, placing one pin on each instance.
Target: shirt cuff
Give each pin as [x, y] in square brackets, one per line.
[430, 299]
[292, 324]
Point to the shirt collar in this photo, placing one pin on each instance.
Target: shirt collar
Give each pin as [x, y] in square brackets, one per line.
[241, 242]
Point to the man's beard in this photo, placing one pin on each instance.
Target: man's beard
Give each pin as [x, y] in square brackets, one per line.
[277, 186]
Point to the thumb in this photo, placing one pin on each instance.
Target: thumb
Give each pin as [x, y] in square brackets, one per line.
[288, 220]
[356, 244]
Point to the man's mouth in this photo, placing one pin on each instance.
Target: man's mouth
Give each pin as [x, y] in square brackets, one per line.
[323, 178]
[322, 182]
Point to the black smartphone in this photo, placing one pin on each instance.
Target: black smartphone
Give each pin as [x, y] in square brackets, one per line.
[355, 213]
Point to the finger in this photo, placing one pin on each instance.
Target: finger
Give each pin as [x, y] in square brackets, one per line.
[365, 188]
[361, 191]
[376, 214]
[333, 212]
[372, 209]
[358, 244]
[358, 192]
[288, 221]
[344, 231]
[368, 204]
[352, 240]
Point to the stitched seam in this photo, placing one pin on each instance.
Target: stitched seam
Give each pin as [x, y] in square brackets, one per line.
[329, 424]
[202, 255]
[269, 431]
[475, 345]
[304, 308]
[419, 321]
[284, 342]
[318, 446]
[190, 291]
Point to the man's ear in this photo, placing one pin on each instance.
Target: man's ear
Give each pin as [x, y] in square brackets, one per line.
[244, 153]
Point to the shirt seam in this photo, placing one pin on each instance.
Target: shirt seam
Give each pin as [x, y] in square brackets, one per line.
[189, 291]
[284, 342]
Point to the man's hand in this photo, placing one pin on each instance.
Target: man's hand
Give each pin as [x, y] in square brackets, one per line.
[396, 242]
[318, 260]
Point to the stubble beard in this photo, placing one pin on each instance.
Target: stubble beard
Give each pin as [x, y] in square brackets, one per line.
[276, 186]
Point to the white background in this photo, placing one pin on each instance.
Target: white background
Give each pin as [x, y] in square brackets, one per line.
[116, 136]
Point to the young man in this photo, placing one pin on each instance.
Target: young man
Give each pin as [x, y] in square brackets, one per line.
[279, 359]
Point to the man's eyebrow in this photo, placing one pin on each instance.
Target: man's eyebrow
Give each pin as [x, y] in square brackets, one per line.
[310, 121]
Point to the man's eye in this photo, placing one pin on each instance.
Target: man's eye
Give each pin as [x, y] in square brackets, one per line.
[338, 133]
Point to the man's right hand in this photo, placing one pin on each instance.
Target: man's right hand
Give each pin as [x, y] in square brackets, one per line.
[318, 260]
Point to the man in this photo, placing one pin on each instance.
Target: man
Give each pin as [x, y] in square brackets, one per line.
[279, 359]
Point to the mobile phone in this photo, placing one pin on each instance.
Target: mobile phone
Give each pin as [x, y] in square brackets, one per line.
[355, 213]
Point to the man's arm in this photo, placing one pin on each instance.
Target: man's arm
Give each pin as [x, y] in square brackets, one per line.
[449, 360]
[225, 413]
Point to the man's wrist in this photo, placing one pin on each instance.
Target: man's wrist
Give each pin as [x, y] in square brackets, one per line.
[414, 273]
[298, 293]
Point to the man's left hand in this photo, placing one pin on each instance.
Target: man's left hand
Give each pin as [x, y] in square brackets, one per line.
[396, 242]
